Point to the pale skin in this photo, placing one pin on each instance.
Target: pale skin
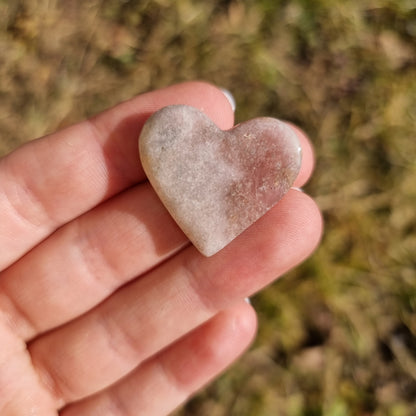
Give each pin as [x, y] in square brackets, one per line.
[105, 307]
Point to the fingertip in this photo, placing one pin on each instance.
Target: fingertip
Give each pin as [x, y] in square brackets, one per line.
[308, 156]
[287, 234]
[212, 347]
[298, 218]
[230, 98]
[311, 219]
[234, 330]
[244, 321]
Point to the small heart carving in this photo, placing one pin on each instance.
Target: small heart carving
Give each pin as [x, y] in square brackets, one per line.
[216, 183]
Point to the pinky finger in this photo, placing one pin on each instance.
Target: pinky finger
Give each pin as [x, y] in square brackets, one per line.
[168, 379]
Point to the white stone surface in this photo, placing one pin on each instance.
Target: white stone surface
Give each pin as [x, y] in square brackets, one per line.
[216, 183]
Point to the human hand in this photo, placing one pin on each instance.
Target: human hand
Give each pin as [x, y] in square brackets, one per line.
[105, 307]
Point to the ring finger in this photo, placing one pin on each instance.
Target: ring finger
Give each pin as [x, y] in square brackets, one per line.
[169, 378]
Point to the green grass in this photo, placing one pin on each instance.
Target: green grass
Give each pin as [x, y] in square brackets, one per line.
[337, 336]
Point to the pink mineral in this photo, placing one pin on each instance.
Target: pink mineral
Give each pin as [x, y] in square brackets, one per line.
[216, 183]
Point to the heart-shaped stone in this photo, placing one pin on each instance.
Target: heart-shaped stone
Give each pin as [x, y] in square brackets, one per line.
[216, 183]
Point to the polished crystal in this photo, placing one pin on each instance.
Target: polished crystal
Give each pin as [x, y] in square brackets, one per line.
[216, 183]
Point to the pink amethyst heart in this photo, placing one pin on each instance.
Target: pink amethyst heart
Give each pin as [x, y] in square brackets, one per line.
[216, 183]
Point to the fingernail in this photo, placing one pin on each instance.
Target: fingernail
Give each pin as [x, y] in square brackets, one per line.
[229, 97]
[297, 189]
[292, 127]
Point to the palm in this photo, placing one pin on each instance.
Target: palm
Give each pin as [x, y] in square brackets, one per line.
[105, 308]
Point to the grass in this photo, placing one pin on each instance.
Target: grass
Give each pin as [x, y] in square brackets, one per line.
[337, 335]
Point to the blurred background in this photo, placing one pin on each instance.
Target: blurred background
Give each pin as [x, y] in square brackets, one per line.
[337, 336]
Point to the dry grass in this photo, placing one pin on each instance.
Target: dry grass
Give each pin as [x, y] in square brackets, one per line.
[337, 335]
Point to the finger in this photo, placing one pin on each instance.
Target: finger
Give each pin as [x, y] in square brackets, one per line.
[145, 316]
[168, 379]
[308, 158]
[93, 255]
[50, 181]
[20, 389]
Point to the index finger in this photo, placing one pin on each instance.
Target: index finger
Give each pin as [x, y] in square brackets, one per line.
[52, 180]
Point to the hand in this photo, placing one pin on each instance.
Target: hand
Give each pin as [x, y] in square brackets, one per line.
[105, 307]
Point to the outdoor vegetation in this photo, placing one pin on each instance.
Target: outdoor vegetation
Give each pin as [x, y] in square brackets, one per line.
[337, 336]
